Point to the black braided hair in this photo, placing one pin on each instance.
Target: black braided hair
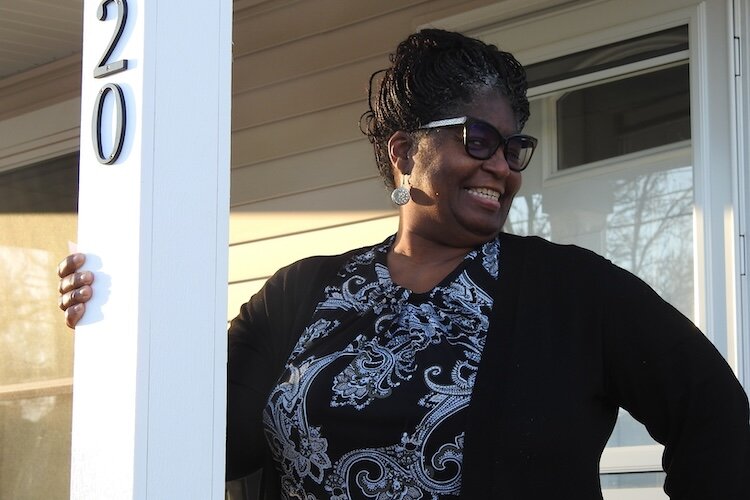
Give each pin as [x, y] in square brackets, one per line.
[434, 74]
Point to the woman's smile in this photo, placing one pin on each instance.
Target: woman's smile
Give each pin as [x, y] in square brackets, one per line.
[484, 193]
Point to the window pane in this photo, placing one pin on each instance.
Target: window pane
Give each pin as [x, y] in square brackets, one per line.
[38, 207]
[624, 116]
[609, 56]
[35, 448]
[633, 480]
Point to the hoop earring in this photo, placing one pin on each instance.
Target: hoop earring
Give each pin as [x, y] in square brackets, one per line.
[400, 196]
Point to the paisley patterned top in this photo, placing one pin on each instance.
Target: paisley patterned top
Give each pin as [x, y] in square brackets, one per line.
[371, 403]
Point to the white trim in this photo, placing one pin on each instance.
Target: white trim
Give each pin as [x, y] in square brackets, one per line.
[40, 388]
[741, 107]
[634, 494]
[631, 459]
[673, 155]
[617, 72]
[713, 167]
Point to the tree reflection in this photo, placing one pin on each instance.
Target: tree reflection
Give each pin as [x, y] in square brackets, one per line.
[527, 218]
[649, 232]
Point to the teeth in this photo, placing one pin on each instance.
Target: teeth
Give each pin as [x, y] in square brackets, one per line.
[490, 194]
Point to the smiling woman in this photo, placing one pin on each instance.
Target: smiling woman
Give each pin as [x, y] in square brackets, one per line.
[454, 360]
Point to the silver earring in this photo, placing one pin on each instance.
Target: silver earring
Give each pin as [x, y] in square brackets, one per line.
[400, 195]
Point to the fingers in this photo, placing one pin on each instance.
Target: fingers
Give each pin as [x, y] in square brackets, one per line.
[75, 288]
[74, 314]
[75, 296]
[75, 280]
[70, 264]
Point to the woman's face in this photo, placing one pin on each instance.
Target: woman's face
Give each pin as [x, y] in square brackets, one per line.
[458, 200]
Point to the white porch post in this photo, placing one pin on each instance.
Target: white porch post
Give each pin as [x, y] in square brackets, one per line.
[149, 386]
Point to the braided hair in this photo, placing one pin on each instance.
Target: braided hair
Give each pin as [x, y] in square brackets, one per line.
[433, 75]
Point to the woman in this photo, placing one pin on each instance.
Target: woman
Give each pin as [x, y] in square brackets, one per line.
[453, 360]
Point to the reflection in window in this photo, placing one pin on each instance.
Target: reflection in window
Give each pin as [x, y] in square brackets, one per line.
[648, 232]
[527, 218]
[623, 116]
[633, 480]
[38, 207]
[613, 55]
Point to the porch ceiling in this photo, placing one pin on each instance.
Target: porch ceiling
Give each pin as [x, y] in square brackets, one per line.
[37, 32]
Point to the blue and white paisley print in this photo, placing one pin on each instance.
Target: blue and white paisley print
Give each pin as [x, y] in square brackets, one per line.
[371, 350]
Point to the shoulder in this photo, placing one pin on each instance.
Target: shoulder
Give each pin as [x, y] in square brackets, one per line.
[319, 267]
[537, 251]
[569, 271]
[307, 278]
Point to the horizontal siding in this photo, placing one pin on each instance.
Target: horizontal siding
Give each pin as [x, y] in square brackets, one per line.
[297, 53]
[345, 204]
[308, 132]
[250, 265]
[263, 27]
[262, 258]
[41, 87]
[239, 293]
[304, 171]
[316, 92]
[39, 135]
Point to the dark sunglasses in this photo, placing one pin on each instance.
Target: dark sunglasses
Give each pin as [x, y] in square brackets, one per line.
[482, 140]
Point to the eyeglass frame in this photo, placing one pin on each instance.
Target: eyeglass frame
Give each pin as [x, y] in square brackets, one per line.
[465, 121]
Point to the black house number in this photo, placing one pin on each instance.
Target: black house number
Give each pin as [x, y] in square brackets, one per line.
[104, 68]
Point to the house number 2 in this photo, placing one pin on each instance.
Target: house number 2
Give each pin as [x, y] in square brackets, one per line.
[105, 67]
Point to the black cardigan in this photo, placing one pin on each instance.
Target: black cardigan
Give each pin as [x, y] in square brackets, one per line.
[572, 338]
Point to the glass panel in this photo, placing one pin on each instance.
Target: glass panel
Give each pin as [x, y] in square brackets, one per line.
[629, 432]
[38, 207]
[633, 480]
[35, 448]
[635, 209]
[609, 56]
[623, 116]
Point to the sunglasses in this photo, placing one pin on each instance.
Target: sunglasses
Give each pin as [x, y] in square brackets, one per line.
[482, 140]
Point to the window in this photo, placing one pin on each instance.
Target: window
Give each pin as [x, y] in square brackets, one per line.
[38, 206]
[623, 116]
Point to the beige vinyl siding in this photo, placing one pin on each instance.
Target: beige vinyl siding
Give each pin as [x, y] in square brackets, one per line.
[304, 181]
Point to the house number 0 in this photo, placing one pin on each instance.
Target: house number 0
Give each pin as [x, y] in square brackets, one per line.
[105, 68]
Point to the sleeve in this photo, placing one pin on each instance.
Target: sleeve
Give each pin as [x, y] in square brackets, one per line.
[252, 367]
[670, 377]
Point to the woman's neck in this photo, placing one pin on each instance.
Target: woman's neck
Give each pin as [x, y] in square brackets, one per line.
[420, 264]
